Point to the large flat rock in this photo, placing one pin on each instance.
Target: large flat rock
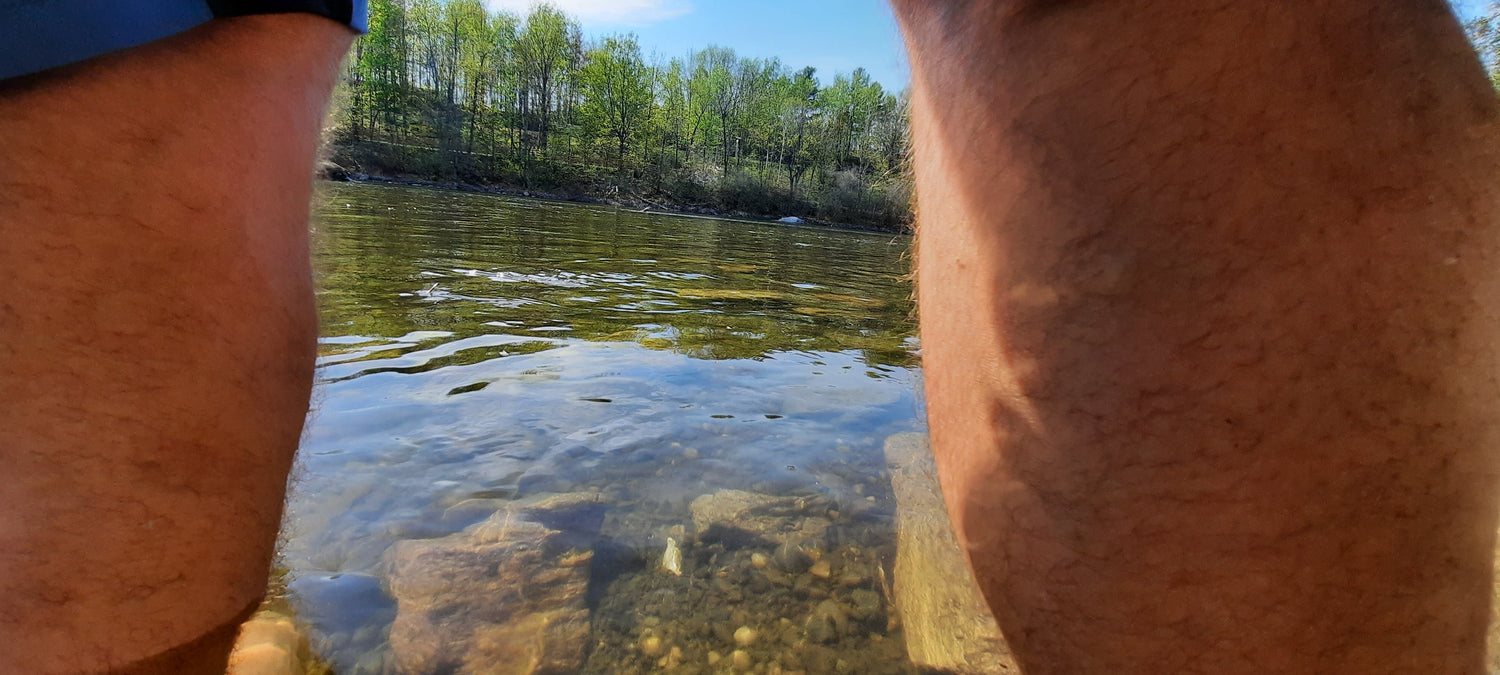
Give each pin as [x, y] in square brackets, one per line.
[504, 597]
[947, 624]
[774, 519]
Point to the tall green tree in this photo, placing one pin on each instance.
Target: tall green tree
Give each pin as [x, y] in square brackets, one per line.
[714, 86]
[617, 91]
[544, 50]
[799, 115]
[378, 70]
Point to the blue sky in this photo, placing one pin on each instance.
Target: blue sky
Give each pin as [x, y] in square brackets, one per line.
[1468, 9]
[834, 36]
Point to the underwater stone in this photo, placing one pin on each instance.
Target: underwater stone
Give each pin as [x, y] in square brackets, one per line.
[741, 660]
[794, 558]
[776, 577]
[745, 636]
[671, 559]
[269, 644]
[817, 659]
[504, 597]
[866, 606]
[263, 659]
[948, 625]
[827, 623]
[820, 631]
[754, 515]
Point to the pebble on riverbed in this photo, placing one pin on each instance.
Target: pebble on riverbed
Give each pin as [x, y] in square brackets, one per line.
[746, 601]
[671, 559]
[745, 636]
[827, 623]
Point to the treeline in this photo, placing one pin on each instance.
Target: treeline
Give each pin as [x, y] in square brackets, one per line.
[451, 91]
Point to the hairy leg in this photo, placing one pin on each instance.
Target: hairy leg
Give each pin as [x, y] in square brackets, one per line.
[156, 339]
[1209, 309]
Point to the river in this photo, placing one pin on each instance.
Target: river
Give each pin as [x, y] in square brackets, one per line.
[479, 352]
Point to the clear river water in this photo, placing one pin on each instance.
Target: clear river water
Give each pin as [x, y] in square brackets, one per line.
[480, 352]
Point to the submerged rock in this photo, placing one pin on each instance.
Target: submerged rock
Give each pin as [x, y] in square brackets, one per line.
[269, 644]
[795, 558]
[746, 636]
[866, 605]
[651, 645]
[948, 626]
[827, 623]
[778, 520]
[504, 597]
[671, 559]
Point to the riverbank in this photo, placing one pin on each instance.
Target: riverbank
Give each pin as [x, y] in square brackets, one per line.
[331, 171]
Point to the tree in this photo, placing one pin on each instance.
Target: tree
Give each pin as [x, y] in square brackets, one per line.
[543, 52]
[617, 91]
[714, 87]
[672, 107]
[378, 69]
[851, 102]
[799, 111]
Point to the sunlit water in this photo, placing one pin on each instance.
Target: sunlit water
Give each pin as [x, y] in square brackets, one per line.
[479, 349]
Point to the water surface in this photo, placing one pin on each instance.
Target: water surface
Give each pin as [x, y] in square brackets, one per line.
[478, 350]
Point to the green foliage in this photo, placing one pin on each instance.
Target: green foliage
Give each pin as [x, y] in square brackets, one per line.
[451, 91]
[617, 92]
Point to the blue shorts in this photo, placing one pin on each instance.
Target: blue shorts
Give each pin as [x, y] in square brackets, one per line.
[39, 34]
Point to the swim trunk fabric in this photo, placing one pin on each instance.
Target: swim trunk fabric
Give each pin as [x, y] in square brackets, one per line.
[36, 35]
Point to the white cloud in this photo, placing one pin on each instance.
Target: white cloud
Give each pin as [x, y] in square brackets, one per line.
[622, 12]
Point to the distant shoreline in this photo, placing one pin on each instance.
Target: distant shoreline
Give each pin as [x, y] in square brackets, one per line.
[333, 173]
